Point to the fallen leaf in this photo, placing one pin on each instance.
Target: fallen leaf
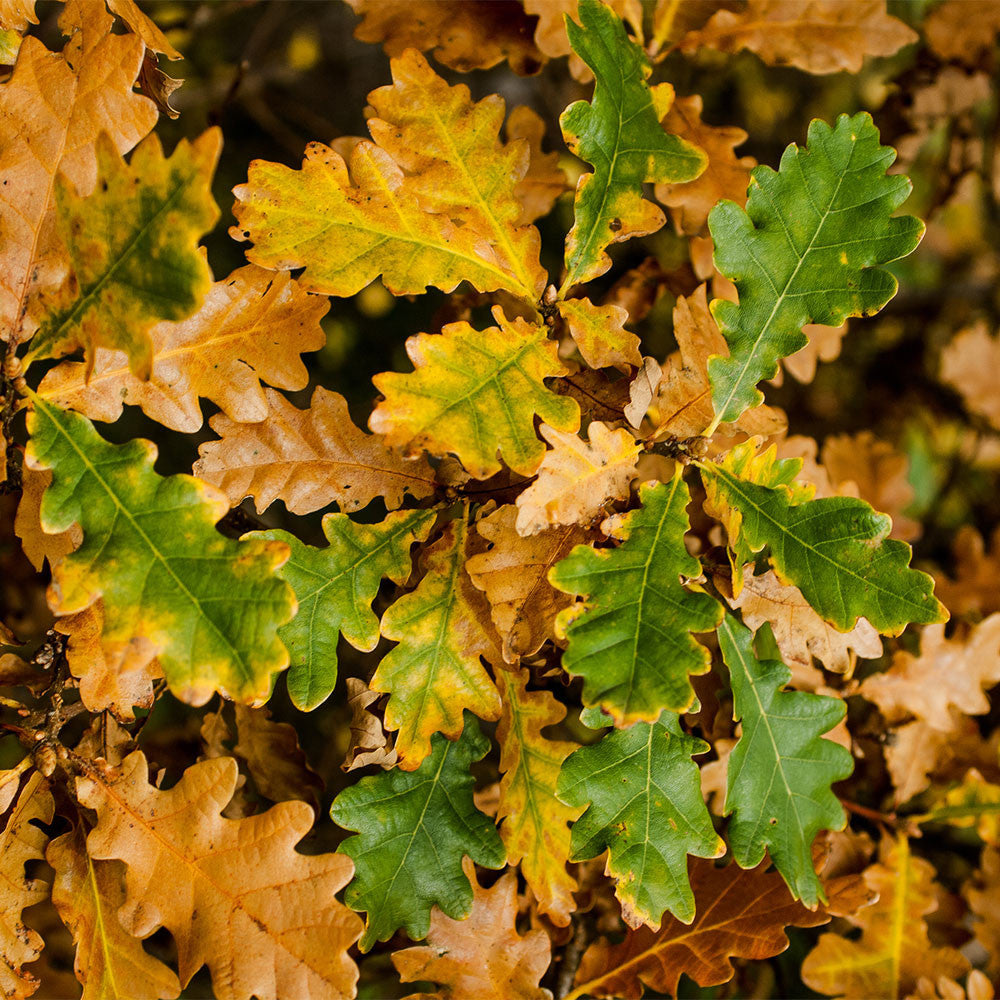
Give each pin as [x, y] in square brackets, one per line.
[545, 180]
[969, 364]
[599, 333]
[369, 741]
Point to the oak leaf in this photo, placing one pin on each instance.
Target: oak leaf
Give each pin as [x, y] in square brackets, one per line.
[52, 110]
[513, 574]
[968, 364]
[110, 963]
[964, 31]
[819, 36]
[642, 798]
[252, 327]
[39, 545]
[973, 803]
[308, 459]
[973, 589]
[577, 478]
[16, 15]
[459, 35]
[726, 174]
[894, 949]
[635, 608]
[369, 741]
[133, 245]
[475, 394]
[948, 673]
[545, 180]
[481, 957]
[534, 824]
[599, 333]
[143, 26]
[436, 672]
[243, 901]
[22, 841]
[982, 892]
[334, 587]
[738, 914]
[146, 542]
[413, 830]
[619, 133]
[799, 632]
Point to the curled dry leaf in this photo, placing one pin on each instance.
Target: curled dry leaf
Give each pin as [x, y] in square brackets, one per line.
[263, 917]
[799, 632]
[252, 327]
[576, 478]
[308, 459]
[513, 574]
[481, 957]
[642, 391]
[110, 962]
[819, 36]
[739, 914]
[369, 741]
[894, 949]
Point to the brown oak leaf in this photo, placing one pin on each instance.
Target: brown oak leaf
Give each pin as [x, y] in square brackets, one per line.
[369, 740]
[545, 180]
[969, 364]
[974, 588]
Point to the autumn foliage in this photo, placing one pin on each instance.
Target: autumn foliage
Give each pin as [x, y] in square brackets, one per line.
[635, 630]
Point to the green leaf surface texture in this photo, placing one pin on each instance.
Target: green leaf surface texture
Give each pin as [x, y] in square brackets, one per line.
[808, 248]
[781, 769]
[150, 549]
[644, 806]
[619, 133]
[335, 587]
[631, 638]
[413, 829]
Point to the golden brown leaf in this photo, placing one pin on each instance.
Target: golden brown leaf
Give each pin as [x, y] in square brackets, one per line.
[545, 180]
[726, 174]
[599, 333]
[263, 917]
[252, 327]
[276, 762]
[20, 842]
[16, 15]
[369, 741]
[819, 36]
[948, 673]
[463, 36]
[974, 589]
[799, 632]
[114, 677]
[642, 391]
[577, 478]
[482, 957]
[739, 914]
[39, 545]
[308, 459]
[824, 345]
[535, 824]
[965, 30]
[52, 110]
[894, 949]
[111, 964]
[969, 364]
[513, 574]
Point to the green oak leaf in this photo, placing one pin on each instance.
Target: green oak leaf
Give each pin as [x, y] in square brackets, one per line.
[211, 605]
[644, 806]
[413, 829]
[134, 248]
[781, 769]
[619, 133]
[631, 638]
[807, 249]
[335, 587]
[836, 550]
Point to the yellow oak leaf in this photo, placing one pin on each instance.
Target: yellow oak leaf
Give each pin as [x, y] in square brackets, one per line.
[482, 957]
[251, 328]
[819, 36]
[308, 459]
[133, 245]
[894, 949]
[576, 478]
[22, 841]
[16, 15]
[726, 174]
[143, 26]
[982, 893]
[443, 630]
[52, 110]
[242, 900]
[475, 394]
[513, 574]
[599, 332]
[534, 823]
[110, 962]
[39, 545]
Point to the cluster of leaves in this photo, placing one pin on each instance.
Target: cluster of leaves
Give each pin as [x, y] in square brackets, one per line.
[656, 594]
